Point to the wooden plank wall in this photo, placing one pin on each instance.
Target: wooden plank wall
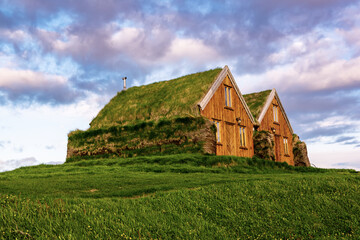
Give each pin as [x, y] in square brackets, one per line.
[229, 128]
[281, 130]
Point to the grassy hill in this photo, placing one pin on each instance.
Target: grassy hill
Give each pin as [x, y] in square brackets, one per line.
[185, 196]
[166, 99]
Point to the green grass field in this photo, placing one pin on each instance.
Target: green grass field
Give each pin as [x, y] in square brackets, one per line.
[185, 196]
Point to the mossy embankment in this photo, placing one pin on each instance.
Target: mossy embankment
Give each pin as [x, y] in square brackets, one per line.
[179, 135]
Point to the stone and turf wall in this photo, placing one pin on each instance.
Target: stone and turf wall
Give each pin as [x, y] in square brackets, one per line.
[180, 135]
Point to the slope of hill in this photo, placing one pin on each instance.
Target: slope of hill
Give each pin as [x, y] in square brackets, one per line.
[186, 196]
[165, 99]
[256, 101]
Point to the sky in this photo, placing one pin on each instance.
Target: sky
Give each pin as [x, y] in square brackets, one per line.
[61, 61]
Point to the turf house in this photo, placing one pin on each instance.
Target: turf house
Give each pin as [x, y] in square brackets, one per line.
[273, 127]
[198, 113]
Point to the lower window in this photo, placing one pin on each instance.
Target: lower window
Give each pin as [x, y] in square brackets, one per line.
[242, 136]
[286, 146]
[217, 124]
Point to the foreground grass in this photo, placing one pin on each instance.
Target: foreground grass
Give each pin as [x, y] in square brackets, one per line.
[179, 197]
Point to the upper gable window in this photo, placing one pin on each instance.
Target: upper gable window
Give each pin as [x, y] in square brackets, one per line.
[227, 96]
[276, 114]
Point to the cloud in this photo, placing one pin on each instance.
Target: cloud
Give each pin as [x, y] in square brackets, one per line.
[91, 13]
[312, 63]
[301, 77]
[50, 147]
[138, 37]
[144, 46]
[331, 129]
[298, 46]
[343, 139]
[15, 79]
[355, 143]
[317, 132]
[350, 35]
[18, 149]
[4, 143]
[335, 157]
[348, 165]
[132, 35]
[85, 48]
[8, 165]
[190, 49]
[20, 85]
[347, 140]
[14, 35]
[317, 78]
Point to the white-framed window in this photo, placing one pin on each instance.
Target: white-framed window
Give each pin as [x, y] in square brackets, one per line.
[275, 112]
[286, 146]
[217, 124]
[242, 136]
[227, 96]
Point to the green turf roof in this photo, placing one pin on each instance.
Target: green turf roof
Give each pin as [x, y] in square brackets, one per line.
[166, 99]
[256, 101]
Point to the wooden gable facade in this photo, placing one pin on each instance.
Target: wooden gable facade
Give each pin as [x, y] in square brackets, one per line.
[274, 119]
[224, 105]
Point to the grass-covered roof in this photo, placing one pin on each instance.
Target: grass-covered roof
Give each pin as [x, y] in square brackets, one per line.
[256, 101]
[166, 99]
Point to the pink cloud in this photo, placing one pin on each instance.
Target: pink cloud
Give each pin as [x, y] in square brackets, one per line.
[30, 85]
[24, 79]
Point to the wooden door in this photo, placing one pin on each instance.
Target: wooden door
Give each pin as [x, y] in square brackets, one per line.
[230, 139]
[277, 148]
